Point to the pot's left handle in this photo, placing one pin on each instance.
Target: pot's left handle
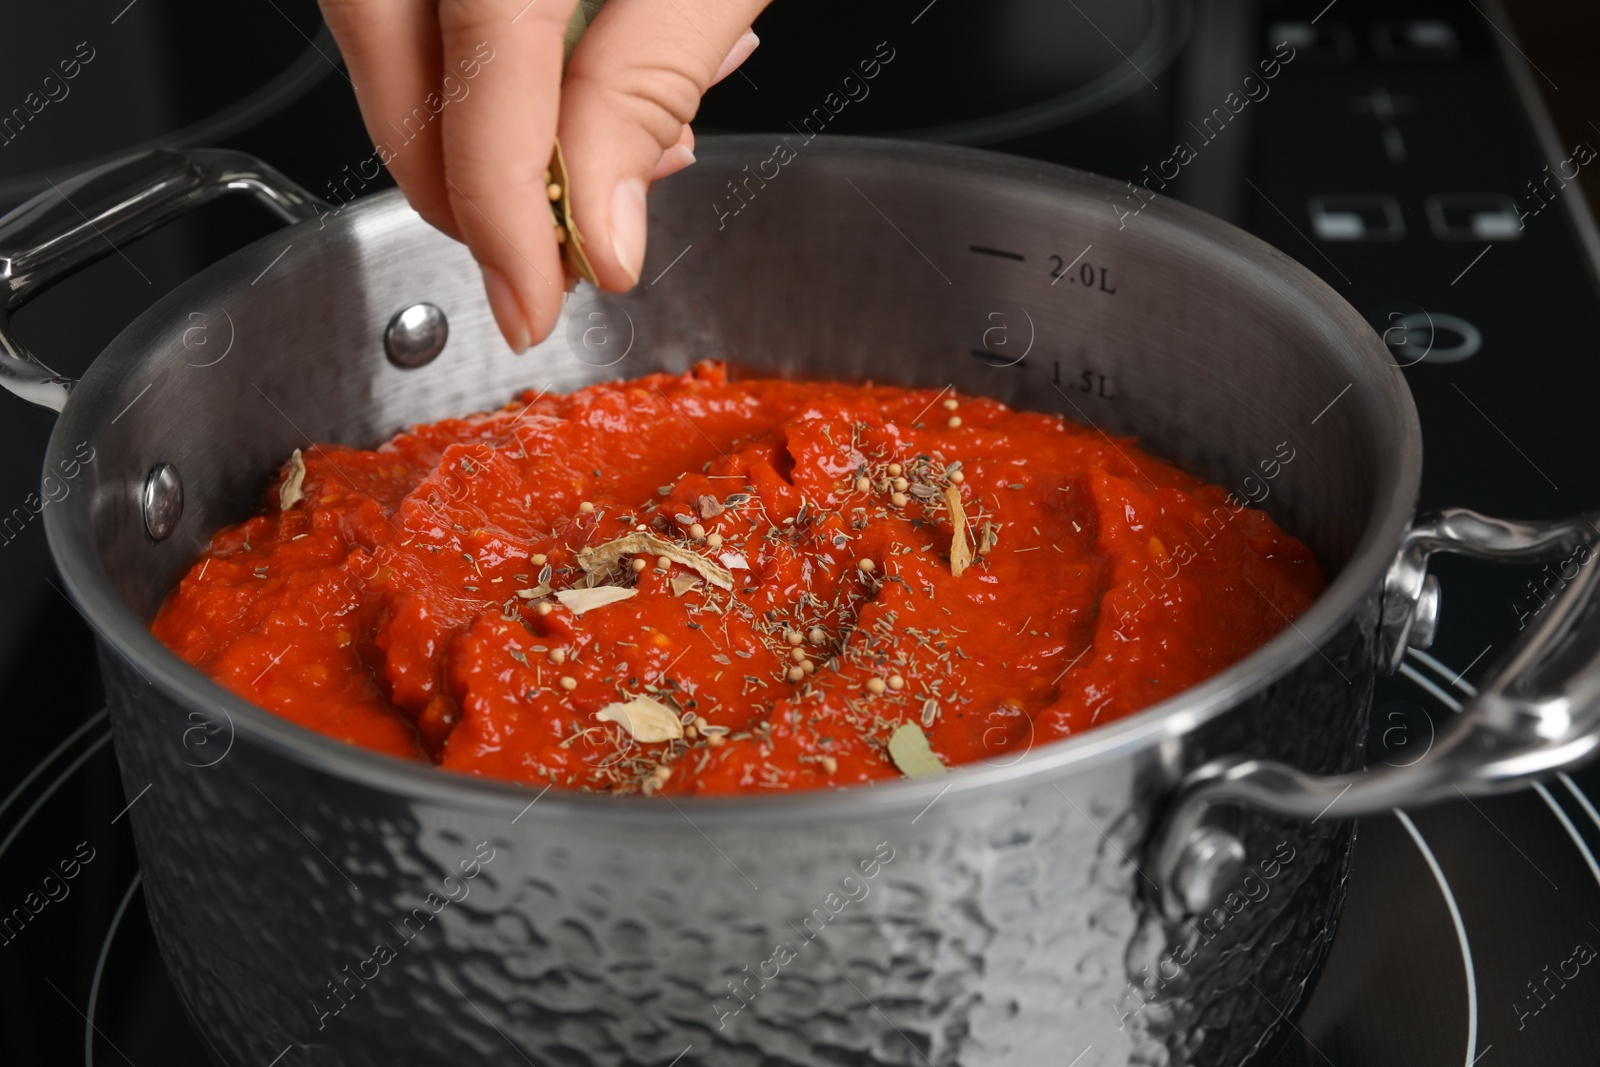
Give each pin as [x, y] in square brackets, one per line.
[85, 218]
[1538, 713]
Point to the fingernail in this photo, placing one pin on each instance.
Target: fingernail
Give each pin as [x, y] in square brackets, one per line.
[628, 226]
[672, 161]
[737, 54]
[507, 309]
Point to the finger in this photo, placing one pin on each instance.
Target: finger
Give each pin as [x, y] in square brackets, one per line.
[497, 145]
[676, 157]
[740, 52]
[634, 81]
[391, 48]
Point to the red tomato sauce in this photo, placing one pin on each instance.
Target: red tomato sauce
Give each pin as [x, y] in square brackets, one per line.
[410, 598]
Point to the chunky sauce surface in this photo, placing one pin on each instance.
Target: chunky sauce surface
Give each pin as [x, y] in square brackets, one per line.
[405, 598]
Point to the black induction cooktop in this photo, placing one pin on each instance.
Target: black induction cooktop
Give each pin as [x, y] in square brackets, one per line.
[1400, 151]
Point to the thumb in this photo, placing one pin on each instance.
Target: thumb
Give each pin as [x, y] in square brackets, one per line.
[634, 81]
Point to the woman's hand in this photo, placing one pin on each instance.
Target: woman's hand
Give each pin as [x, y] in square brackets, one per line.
[464, 97]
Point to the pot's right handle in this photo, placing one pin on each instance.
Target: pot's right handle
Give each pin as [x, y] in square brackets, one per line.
[1539, 712]
[88, 217]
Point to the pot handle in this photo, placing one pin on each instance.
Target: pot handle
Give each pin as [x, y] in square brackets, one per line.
[87, 217]
[1538, 713]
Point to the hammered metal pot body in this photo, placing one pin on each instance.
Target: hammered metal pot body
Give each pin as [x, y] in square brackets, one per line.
[338, 907]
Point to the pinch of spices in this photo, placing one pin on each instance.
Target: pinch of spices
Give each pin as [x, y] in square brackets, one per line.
[875, 685]
[568, 682]
[951, 404]
[867, 566]
[638, 565]
[585, 508]
[796, 673]
[957, 477]
[696, 531]
[816, 636]
[955, 422]
[553, 191]
[794, 637]
[538, 559]
[863, 484]
[896, 682]
[899, 500]
[829, 765]
[714, 540]
[558, 656]
[544, 608]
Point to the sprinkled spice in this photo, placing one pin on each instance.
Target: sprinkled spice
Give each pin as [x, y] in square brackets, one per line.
[909, 749]
[292, 491]
[805, 590]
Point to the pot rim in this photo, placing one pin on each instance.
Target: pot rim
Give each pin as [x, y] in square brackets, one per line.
[1395, 488]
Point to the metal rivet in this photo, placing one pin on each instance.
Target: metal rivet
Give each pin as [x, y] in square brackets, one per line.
[1425, 616]
[415, 336]
[163, 501]
[1207, 868]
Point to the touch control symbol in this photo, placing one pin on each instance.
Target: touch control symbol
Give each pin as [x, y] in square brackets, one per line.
[1473, 217]
[1315, 42]
[1415, 41]
[1357, 217]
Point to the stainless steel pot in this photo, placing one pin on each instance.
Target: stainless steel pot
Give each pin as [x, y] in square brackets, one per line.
[1108, 898]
